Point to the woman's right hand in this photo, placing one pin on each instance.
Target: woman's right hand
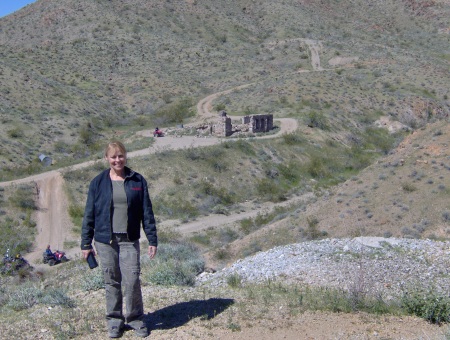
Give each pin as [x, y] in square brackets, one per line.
[86, 253]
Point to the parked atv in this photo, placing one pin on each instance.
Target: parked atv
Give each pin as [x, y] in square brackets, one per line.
[158, 133]
[54, 258]
[13, 264]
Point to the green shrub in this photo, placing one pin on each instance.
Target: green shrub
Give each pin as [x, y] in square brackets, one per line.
[379, 139]
[23, 198]
[356, 158]
[317, 166]
[15, 133]
[193, 154]
[175, 207]
[15, 237]
[61, 147]
[222, 254]
[270, 190]
[209, 154]
[234, 280]
[408, 187]
[249, 110]
[264, 219]
[219, 107]
[175, 112]
[227, 235]
[24, 297]
[242, 145]
[218, 164]
[76, 212]
[429, 305]
[234, 327]
[246, 226]
[291, 172]
[92, 280]
[312, 232]
[220, 195]
[57, 296]
[220, 209]
[70, 244]
[172, 274]
[253, 247]
[316, 119]
[28, 221]
[302, 298]
[200, 239]
[292, 139]
[87, 136]
[176, 264]
[167, 235]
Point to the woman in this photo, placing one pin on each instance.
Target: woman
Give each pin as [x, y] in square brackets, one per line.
[118, 203]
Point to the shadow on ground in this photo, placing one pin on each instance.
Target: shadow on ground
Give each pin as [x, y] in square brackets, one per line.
[181, 313]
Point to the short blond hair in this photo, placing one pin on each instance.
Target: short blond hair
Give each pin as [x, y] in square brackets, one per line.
[115, 145]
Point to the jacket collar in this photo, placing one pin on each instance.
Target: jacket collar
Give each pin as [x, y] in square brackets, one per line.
[128, 172]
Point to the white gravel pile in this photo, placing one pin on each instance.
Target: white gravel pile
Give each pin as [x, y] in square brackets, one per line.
[371, 264]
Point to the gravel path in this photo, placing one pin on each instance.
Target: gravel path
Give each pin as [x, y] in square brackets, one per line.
[365, 264]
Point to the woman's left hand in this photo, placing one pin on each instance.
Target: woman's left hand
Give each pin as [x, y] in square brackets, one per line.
[152, 251]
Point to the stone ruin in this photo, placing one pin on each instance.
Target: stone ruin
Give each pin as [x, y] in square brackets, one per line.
[258, 123]
[251, 123]
[223, 127]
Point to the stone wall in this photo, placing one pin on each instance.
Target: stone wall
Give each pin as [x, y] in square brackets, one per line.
[223, 127]
[258, 123]
[251, 123]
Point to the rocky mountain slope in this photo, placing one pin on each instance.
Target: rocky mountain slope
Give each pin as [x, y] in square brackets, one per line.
[73, 72]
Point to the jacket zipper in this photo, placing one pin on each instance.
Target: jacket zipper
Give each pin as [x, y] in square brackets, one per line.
[110, 215]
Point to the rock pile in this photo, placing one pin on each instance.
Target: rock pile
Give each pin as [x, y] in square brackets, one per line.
[375, 265]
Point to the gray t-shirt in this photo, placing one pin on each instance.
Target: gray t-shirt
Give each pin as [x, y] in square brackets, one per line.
[119, 207]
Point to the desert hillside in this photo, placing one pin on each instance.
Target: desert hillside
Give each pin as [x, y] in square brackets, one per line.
[334, 224]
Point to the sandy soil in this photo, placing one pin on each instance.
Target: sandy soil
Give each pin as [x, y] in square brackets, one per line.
[311, 325]
[53, 207]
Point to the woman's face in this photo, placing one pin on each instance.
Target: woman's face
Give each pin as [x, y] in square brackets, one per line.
[116, 159]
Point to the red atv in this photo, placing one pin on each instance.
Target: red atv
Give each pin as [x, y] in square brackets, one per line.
[158, 133]
[54, 258]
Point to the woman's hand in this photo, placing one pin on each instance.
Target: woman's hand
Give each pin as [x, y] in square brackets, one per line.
[86, 253]
[152, 251]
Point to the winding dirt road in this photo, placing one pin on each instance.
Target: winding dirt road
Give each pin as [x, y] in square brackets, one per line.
[54, 225]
